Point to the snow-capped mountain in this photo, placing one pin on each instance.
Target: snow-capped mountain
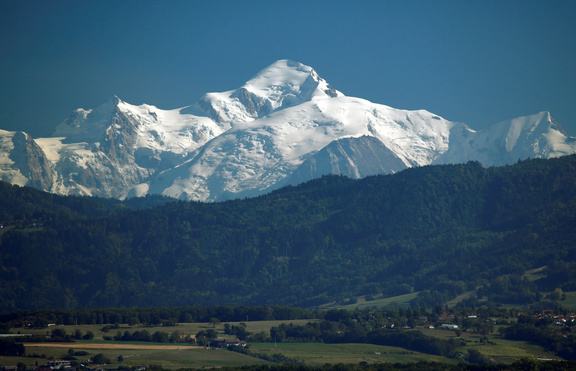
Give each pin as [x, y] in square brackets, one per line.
[283, 84]
[535, 136]
[258, 156]
[285, 125]
[108, 150]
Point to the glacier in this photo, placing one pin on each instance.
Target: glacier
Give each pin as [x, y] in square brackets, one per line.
[284, 126]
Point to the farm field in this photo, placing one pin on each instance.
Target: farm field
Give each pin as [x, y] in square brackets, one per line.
[188, 356]
[182, 328]
[320, 353]
[174, 356]
[498, 349]
[156, 355]
[378, 302]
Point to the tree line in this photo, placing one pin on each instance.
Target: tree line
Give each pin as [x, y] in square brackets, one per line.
[152, 316]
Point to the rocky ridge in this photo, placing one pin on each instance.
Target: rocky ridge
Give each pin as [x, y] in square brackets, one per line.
[286, 125]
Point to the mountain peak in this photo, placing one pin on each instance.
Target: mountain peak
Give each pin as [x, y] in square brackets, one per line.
[532, 136]
[88, 125]
[283, 84]
[115, 100]
[280, 73]
[286, 77]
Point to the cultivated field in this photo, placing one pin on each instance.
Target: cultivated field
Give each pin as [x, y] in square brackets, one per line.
[319, 353]
[188, 356]
[378, 302]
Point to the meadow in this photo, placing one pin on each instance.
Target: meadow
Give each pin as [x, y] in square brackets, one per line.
[185, 355]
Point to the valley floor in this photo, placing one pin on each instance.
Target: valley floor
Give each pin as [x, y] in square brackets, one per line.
[174, 356]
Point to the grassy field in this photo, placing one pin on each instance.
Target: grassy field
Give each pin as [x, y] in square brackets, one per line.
[308, 353]
[185, 356]
[452, 303]
[498, 349]
[182, 328]
[378, 302]
[173, 358]
[319, 353]
[570, 302]
[534, 274]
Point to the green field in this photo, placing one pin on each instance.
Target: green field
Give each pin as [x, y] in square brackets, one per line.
[452, 303]
[497, 349]
[320, 353]
[191, 357]
[570, 302]
[534, 274]
[182, 328]
[378, 302]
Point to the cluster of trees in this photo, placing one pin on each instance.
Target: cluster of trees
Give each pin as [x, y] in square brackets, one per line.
[202, 338]
[59, 334]
[277, 358]
[156, 337]
[340, 326]
[478, 325]
[538, 332]
[238, 331]
[152, 316]
[100, 359]
[9, 347]
[437, 230]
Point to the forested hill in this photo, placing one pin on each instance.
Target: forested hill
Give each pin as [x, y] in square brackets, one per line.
[436, 230]
[26, 206]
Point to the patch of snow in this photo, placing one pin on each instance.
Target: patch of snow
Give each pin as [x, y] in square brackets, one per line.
[51, 147]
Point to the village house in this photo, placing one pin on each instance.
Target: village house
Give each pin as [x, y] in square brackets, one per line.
[227, 342]
[449, 326]
[59, 364]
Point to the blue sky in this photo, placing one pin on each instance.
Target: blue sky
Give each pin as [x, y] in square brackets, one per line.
[477, 62]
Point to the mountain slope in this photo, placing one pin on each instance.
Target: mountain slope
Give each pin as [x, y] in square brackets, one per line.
[435, 230]
[22, 161]
[107, 151]
[352, 157]
[258, 156]
[284, 125]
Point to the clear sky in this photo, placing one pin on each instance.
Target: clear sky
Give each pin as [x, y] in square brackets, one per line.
[477, 62]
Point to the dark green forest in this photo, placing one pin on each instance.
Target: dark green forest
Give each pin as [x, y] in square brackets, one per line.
[436, 230]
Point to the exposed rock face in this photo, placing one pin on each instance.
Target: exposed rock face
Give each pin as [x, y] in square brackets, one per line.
[255, 105]
[120, 138]
[29, 158]
[96, 155]
[206, 105]
[352, 157]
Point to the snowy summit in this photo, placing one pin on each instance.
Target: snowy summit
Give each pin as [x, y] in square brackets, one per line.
[285, 125]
